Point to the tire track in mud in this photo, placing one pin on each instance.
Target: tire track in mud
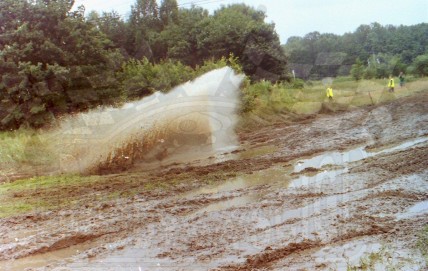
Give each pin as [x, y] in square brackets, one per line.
[377, 226]
[367, 194]
[218, 246]
[375, 189]
[270, 256]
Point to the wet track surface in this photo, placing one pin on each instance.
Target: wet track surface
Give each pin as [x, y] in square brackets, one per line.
[317, 194]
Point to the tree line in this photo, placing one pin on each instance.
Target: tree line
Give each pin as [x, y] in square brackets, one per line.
[376, 51]
[58, 60]
[192, 35]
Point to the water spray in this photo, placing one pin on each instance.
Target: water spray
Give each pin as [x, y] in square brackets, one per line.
[195, 119]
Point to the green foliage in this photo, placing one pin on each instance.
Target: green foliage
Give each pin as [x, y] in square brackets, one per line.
[379, 66]
[326, 55]
[383, 65]
[49, 57]
[383, 259]
[141, 78]
[145, 13]
[55, 61]
[357, 70]
[112, 25]
[263, 96]
[60, 185]
[24, 147]
[213, 64]
[241, 30]
[297, 83]
[419, 67]
[210, 65]
[143, 28]
[168, 12]
[253, 94]
[422, 243]
[180, 39]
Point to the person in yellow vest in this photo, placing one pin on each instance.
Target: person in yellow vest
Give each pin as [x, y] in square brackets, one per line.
[329, 93]
[391, 84]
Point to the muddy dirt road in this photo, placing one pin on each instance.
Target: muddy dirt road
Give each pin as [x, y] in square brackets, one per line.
[323, 193]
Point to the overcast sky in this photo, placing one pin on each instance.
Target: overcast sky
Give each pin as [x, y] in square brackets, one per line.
[299, 17]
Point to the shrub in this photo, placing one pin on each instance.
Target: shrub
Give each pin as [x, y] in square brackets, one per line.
[419, 66]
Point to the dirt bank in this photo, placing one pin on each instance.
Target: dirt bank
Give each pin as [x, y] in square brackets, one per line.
[318, 194]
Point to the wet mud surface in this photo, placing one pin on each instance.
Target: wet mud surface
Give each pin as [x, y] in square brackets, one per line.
[315, 194]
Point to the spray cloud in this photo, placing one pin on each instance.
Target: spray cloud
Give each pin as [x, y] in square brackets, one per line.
[196, 118]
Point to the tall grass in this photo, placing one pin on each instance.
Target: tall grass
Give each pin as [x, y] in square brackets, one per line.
[276, 98]
[422, 243]
[24, 147]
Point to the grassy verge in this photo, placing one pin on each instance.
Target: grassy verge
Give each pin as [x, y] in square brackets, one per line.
[68, 191]
[386, 259]
[64, 191]
[42, 193]
[264, 101]
[422, 244]
[24, 147]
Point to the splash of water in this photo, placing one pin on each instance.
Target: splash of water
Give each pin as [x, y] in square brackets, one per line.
[194, 119]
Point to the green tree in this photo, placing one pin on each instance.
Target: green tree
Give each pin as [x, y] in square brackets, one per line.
[180, 38]
[47, 54]
[144, 26]
[357, 70]
[402, 44]
[168, 12]
[241, 30]
[145, 13]
[112, 25]
[419, 67]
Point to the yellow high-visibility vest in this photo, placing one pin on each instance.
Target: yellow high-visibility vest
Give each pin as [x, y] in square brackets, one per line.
[391, 83]
[329, 92]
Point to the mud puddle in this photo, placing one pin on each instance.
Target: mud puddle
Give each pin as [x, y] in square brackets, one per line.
[21, 234]
[317, 208]
[334, 159]
[242, 190]
[235, 152]
[189, 156]
[244, 151]
[326, 177]
[357, 154]
[128, 259]
[64, 255]
[277, 174]
[229, 204]
[420, 208]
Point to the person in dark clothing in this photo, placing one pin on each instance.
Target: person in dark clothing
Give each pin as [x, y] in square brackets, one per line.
[401, 77]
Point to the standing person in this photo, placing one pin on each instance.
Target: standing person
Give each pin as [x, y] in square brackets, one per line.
[401, 77]
[391, 84]
[329, 93]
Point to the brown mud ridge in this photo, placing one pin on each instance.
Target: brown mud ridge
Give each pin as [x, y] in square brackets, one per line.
[319, 194]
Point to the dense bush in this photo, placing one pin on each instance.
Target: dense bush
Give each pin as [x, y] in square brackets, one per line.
[57, 61]
[419, 67]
